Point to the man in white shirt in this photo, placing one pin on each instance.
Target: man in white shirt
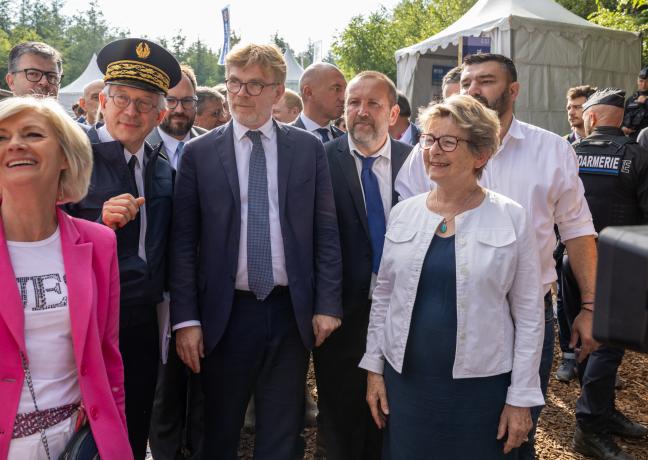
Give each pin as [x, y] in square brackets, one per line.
[539, 170]
[177, 127]
[322, 88]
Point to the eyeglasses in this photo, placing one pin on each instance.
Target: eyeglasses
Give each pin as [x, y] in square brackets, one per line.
[35, 75]
[188, 103]
[123, 100]
[253, 88]
[446, 143]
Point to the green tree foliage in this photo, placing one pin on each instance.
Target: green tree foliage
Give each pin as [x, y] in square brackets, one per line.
[369, 42]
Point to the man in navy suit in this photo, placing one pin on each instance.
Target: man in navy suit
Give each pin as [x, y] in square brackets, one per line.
[322, 90]
[256, 261]
[364, 164]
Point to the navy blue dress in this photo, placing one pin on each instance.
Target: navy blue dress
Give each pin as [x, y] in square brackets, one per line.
[433, 416]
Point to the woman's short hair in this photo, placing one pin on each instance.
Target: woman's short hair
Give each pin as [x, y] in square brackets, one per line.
[480, 123]
[266, 56]
[74, 181]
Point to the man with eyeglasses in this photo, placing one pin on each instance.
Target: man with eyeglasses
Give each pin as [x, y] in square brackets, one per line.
[256, 261]
[131, 192]
[178, 404]
[210, 111]
[35, 69]
[178, 127]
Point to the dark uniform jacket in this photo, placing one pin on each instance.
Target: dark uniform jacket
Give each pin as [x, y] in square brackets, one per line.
[142, 282]
[636, 114]
[614, 171]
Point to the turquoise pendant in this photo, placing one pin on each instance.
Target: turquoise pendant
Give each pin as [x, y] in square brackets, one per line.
[444, 227]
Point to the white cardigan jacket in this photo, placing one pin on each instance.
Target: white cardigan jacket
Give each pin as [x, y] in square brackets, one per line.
[500, 308]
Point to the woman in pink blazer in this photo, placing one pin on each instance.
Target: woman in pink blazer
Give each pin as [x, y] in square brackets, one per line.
[59, 279]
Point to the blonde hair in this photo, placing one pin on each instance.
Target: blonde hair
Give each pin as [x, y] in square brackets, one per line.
[73, 181]
[480, 123]
[267, 56]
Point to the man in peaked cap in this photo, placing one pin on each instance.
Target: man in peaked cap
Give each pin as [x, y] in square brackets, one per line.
[636, 112]
[614, 171]
[131, 191]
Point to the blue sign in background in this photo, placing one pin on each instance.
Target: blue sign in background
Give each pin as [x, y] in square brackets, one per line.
[475, 45]
[438, 72]
[226, 35]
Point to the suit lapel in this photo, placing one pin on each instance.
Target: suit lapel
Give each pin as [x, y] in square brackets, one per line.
[12, 310]
[350, 173]
[77, 260]
[285, 155]
[224, 145]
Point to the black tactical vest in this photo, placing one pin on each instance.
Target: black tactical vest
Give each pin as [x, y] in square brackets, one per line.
[604, 168]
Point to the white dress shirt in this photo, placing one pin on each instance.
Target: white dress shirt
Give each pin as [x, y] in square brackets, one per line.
[408, 135]
[171, 146]
[500, 318]
[536, 168]
[243, 151]
[105, 136]
[381, 169]
[311, 126]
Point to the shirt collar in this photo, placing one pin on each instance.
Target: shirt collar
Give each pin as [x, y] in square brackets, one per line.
[105, 136]
[514, 132]
[170, 142]
[310, 125]
[267, 129]
[384, 151]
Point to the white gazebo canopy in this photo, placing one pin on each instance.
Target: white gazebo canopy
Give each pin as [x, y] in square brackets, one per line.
[293, 71]
[70, 94]
[553, 50]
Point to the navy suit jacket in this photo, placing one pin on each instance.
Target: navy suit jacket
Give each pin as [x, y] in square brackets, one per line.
[352, 218]
[335, 131]
[207, 222]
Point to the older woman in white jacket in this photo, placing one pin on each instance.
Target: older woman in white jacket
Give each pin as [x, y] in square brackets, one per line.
[456, 327]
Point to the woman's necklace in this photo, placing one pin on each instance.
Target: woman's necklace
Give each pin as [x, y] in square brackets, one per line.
[444, 223]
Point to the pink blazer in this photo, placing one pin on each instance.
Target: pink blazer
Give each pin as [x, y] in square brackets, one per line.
[92, 274]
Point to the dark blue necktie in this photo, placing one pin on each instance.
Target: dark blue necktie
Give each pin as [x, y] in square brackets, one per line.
[324, 134]
[178, 152]
[375, 209]
[259, 249]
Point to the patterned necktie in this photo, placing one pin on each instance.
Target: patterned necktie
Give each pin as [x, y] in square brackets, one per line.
[259, 249]
[324, 134]
[178, 153]
[375, 209]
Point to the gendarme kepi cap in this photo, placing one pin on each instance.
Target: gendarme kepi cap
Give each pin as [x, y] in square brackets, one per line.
[606, 96]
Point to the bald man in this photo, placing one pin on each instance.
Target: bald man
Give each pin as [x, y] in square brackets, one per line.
[614, 171]
[322, 88]
[90, 102]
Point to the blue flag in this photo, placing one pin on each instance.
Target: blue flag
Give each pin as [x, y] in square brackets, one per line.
[226, 35]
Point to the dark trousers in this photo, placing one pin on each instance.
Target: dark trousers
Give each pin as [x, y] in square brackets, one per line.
[140, 352]
[344, 421]
[177, 422]
[564, 330]
[527, 449]
[261, 352]
[597, 373]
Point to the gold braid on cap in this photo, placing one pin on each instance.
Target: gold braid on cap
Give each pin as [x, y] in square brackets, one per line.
[135, 70]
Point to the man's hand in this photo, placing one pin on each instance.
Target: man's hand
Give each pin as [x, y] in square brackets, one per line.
[189, 344]
[377, 398]
[120, 210]
[582, 329]
[323, 325]
[627, 131]
[516, 421]
[641, 99]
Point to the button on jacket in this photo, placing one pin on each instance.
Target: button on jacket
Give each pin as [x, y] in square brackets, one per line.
[500, 310]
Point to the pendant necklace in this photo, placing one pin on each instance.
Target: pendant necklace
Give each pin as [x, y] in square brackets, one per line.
[444, 223]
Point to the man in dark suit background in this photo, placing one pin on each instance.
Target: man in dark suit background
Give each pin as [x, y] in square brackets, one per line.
[256, 261]
[322, 91]
[177, 420]
[403, 129]
[364, 164]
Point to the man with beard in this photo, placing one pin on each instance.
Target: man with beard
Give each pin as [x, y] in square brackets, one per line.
[635, 117]
[35, 69]
[539, 170]
[322, 90]
[178, 126]
[363, 164]
[576, 97]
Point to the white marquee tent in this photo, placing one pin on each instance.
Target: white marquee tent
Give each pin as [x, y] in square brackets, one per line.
[70, 94]
[293, 71]
[553, 49]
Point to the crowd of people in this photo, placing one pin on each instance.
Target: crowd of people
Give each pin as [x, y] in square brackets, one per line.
[174, 256]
